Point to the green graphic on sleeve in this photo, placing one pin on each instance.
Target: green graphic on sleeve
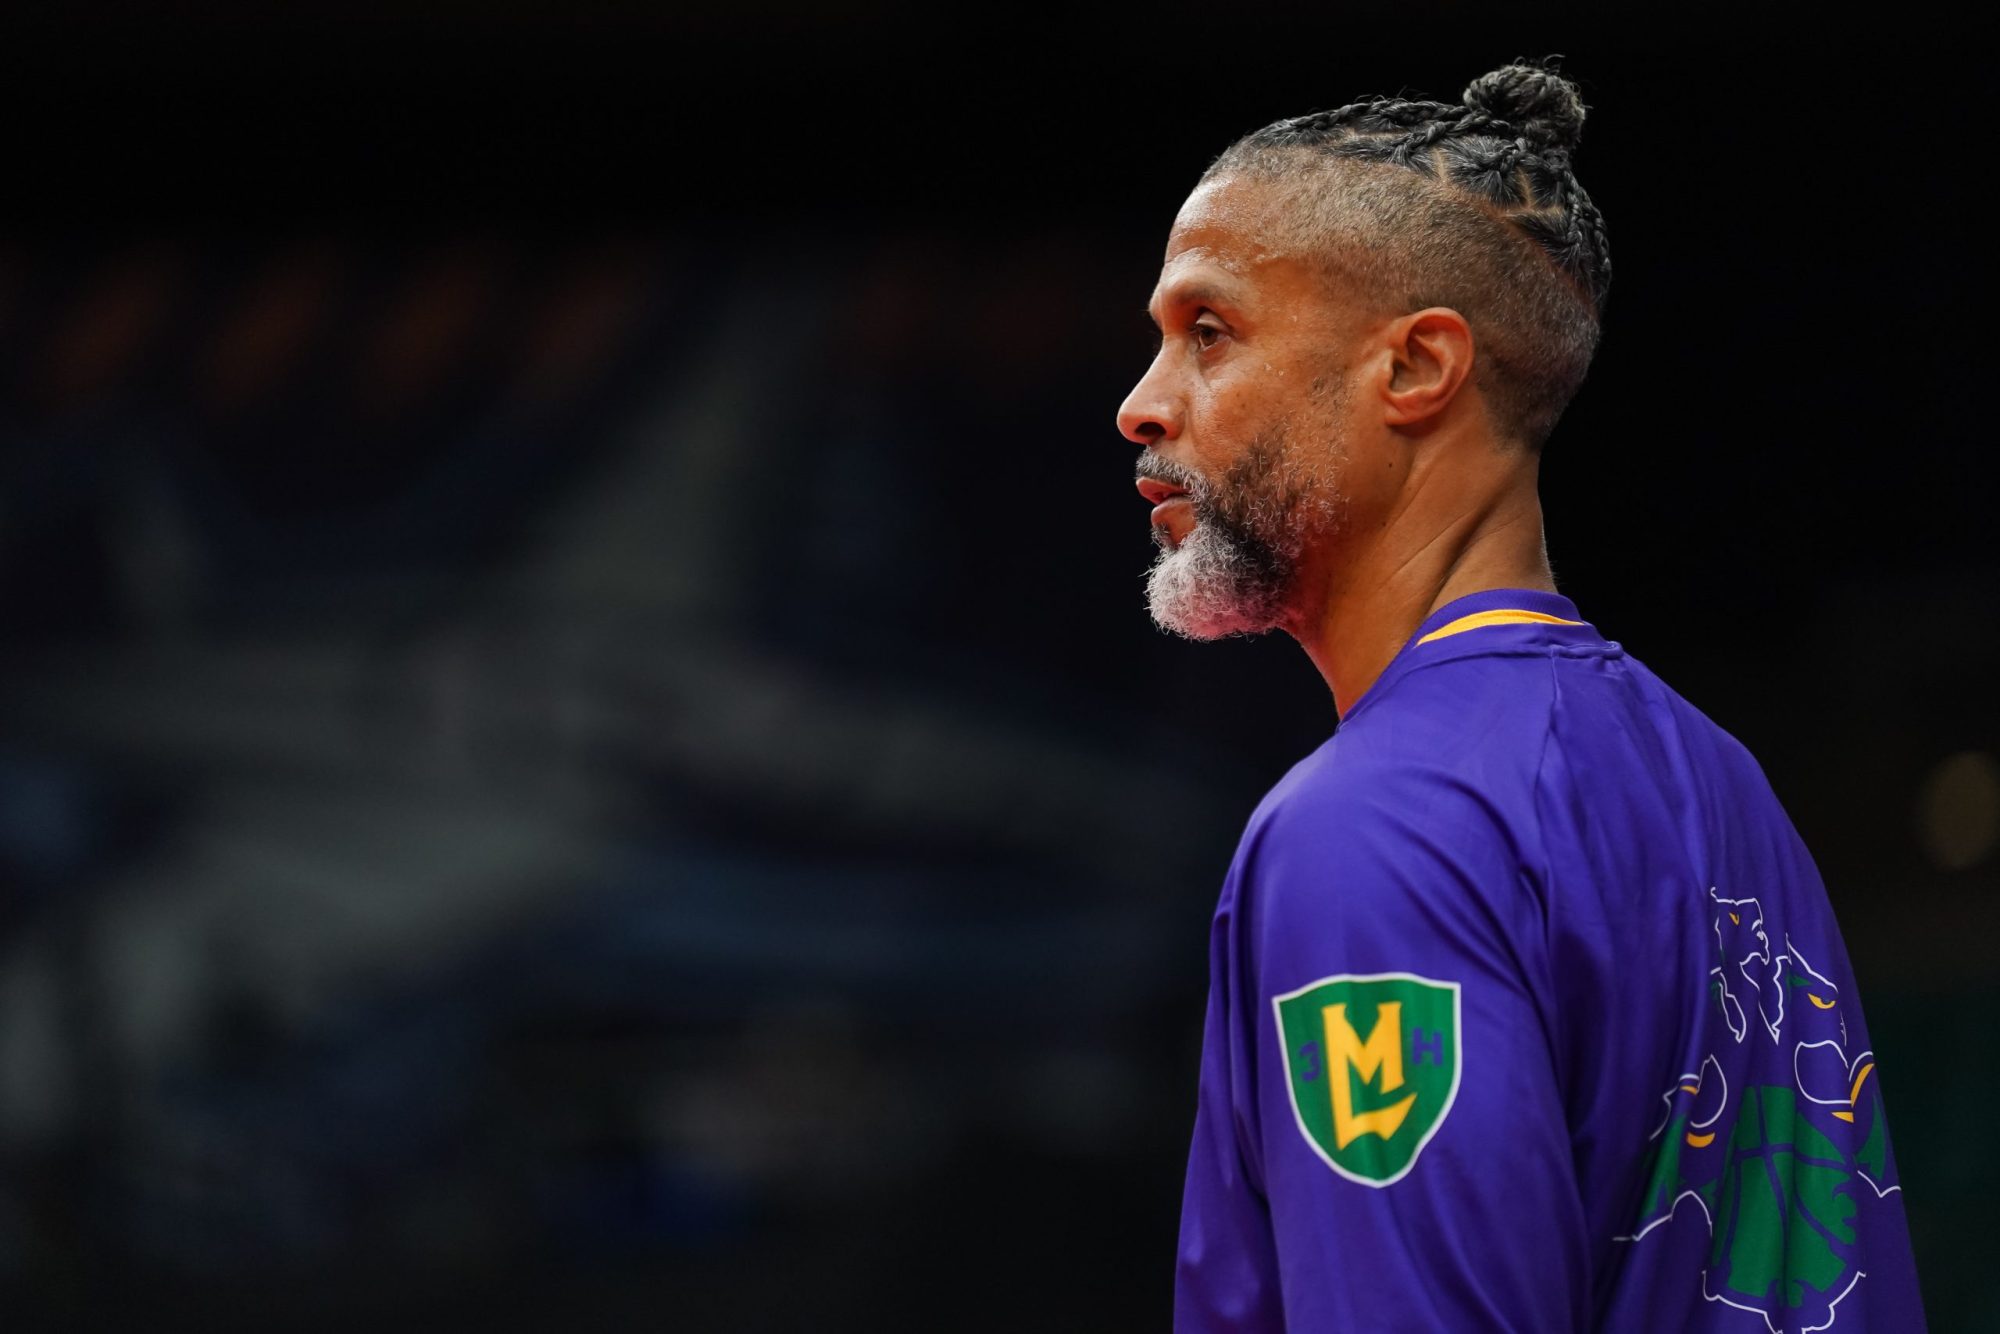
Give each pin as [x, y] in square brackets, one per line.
[1782, 1201]
[1783, 1174]
[1786, 1203]
[1666, 1182]
[1871, 1157]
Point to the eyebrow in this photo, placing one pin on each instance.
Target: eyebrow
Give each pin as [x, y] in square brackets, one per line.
[1193, 294]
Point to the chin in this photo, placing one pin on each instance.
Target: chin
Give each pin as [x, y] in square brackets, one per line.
[1202, 594]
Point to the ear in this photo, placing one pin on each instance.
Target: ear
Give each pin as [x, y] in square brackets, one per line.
[1430, 356]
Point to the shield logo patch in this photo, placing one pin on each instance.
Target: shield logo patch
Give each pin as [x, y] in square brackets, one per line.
[1372, 1065]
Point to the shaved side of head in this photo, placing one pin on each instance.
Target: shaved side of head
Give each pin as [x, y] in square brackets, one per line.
[1473, 207]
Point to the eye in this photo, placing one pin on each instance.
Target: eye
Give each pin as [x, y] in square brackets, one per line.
[1207, 335]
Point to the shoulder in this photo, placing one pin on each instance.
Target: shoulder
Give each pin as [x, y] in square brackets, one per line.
[1415, 821]
[1618, 729]
[1450, 753]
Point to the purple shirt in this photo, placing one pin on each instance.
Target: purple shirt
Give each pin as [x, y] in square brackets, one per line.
[1527, 1011]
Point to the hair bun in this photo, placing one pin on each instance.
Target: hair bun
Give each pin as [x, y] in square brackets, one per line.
[1533, 98]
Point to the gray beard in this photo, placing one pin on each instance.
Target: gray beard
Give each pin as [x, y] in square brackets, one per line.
[1215, 584]
[1235, 573]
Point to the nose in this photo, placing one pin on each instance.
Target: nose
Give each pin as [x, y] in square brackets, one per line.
[1150, 413]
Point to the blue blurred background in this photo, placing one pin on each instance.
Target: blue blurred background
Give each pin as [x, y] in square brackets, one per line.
[579, 741]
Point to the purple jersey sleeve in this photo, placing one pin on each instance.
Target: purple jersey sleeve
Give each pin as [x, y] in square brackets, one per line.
[1380, 1140]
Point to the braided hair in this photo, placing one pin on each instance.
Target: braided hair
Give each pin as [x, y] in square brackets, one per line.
[1471, 205]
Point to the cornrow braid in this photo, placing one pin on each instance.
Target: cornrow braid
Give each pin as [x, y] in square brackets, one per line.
[1490, 219]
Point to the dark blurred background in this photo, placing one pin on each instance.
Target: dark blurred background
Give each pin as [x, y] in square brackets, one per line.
[580, 746]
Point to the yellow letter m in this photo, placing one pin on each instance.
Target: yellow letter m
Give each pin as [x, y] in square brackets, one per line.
[1381, 1054]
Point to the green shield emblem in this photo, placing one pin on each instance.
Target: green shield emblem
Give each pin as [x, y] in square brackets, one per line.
[1372, 1065]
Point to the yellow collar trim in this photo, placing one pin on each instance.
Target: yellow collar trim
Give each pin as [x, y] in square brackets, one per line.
[1481, 619]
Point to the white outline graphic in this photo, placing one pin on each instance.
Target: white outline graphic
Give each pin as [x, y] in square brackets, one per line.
[1832, 987]
[1291, 1090]
[1750, 916]
[1880, 1194]
[1832, 1307]
[1676, 1204]
[1700, 1078]
[1732, 1012]
[1810, 971]
[1799, 1078]
[1668, 1099]
[1775, 967]
[1701, 1083]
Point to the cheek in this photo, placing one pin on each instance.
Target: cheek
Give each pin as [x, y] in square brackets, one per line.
[1224, 418]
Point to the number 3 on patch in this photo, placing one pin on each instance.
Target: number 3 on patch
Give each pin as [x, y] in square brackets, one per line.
[1372, 1065]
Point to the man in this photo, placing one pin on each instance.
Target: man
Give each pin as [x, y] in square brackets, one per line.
[1527, 1008]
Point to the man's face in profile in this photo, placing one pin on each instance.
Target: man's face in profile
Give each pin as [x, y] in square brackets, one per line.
[1241, 414]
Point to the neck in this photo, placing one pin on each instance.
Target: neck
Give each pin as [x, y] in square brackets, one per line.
[1437, 544]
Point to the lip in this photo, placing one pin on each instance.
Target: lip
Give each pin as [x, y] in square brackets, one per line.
[1159, 492]
[1160, 510]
